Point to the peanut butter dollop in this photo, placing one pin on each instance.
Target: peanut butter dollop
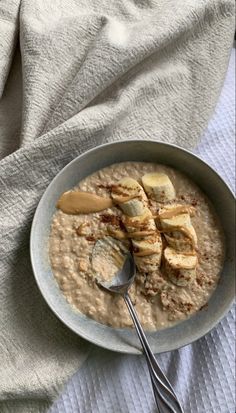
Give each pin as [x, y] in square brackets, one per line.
[79, 202]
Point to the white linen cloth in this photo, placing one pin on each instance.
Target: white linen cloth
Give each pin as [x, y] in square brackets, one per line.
[92, 72]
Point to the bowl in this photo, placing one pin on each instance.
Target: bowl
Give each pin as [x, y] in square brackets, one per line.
[125, 340]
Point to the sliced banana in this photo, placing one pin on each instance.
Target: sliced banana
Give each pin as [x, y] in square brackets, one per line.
[139, 223]
[169, 211]
[133, 207]
[177, 260]
[182, 277]
[179, 244]
[181, 220]
[147, 246]
[148, 264]
[147, 253]
[158, 186]
[130, 196]
[180, 267]
[144, 222]
[180, 228]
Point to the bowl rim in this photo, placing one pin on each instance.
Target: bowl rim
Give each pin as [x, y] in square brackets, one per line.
[34, 223]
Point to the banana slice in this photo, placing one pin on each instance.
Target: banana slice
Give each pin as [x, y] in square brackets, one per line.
[177, 260]
[133, 208]
[180, 267]
[148, 264]
[147, 246]
[130, 196]
[179, 244]
[144, 222]
[180, 228]
[147, 253]
[169, 211]
[181, 220]
[158, 186]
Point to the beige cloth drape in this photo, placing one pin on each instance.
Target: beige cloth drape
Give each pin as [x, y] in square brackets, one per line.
[86, 72]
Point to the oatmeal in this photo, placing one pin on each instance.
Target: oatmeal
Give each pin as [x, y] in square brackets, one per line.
[167, 223]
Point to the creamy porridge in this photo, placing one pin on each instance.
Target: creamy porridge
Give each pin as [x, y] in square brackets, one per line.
[163, 218]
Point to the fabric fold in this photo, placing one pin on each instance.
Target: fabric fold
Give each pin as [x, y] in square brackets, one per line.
[9, 29]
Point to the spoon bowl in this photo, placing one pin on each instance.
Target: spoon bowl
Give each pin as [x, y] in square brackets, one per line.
[123, 279]
[111, 257]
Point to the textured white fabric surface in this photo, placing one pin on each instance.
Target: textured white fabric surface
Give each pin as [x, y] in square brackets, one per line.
[203, 373]
[93, 71]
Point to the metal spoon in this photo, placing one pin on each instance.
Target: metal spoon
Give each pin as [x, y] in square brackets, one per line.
[166, 399]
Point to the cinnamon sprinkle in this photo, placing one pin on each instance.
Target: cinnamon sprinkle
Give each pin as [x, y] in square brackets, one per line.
[110, 219]
[90, 238]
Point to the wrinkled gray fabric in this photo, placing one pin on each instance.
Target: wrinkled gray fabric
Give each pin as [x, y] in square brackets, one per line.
[9, 11]
[92, 72]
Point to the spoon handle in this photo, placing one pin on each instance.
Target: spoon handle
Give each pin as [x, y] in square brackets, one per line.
[165, 396]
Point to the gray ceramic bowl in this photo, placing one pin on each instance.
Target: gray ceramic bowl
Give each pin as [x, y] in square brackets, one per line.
[125, 340]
